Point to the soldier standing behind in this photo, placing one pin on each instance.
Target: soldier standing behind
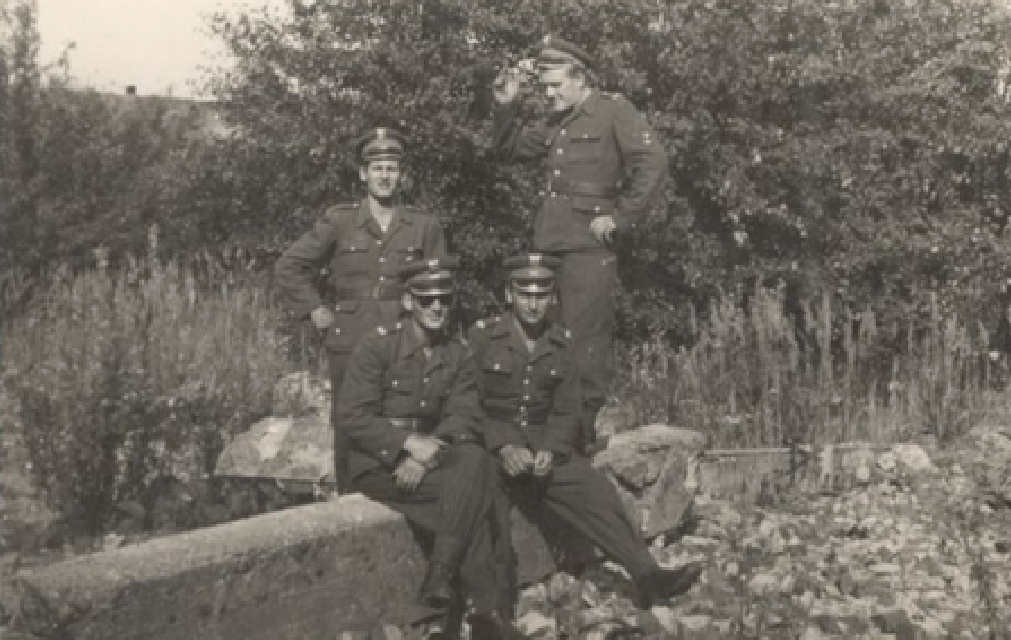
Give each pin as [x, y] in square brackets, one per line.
[530, 398]
[410, 409]
[364, 245]
[605, 167]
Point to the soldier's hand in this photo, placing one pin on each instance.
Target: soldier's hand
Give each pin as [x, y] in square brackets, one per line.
[602, 227]
[322, 317]
[544, 463]
[516, 460]
[425, 449]
[408, 475]
[506, 85]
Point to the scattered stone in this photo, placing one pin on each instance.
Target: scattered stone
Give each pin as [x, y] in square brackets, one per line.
[535, 624]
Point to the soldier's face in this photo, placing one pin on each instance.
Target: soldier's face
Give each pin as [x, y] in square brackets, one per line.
[562, 89]
[430, 312]
[531, 309]
[382, 177]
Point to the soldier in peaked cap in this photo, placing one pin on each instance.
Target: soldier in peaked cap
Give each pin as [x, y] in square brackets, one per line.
[410, 412]
[530, 395]
[604, 168]
[362, 245]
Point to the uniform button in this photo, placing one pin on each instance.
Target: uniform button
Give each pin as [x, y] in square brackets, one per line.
[523, 423]
[558, 172]
[422, 403]
[382, 259]
[337, 330]
[562, 132]
[527, 381]
[526, 397]
[424, 379]
[553, 194]
[383, 453]
[561, 151]
[530, 367]
[379, 241]
[382, 278]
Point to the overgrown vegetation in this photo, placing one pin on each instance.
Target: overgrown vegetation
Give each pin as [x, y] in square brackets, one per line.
[757, 375]
[120, 377]
[856, 151]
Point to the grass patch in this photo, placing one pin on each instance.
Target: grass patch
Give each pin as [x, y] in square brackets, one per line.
[758, 376]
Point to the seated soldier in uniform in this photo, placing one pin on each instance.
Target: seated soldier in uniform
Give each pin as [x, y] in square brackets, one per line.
[409, 408]
[531, 400]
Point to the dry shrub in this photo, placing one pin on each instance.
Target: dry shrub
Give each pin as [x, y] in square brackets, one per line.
[759, 376]
[119, 377]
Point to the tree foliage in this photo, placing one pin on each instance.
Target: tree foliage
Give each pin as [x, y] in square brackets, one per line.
[856, 146]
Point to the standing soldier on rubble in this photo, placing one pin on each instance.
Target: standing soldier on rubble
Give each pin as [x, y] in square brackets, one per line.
[410, 410]
[363, 244]
[605, 167]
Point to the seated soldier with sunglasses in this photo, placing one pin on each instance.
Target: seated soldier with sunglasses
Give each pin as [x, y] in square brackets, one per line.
[409, 408]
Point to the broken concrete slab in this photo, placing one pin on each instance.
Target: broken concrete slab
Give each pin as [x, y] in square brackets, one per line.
[301, 574]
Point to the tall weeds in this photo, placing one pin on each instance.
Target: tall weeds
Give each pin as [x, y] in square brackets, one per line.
[758, 376]
[118, 377]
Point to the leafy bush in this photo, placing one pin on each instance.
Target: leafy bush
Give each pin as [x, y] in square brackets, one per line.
[121, 377]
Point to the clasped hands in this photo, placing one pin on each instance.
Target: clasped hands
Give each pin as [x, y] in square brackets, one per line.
[518, 461]
[424, 453]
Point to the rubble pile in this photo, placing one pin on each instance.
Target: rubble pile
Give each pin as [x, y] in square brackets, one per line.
[917, 547]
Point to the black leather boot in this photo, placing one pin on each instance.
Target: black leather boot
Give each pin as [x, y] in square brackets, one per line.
[437, 588]
[663, 584]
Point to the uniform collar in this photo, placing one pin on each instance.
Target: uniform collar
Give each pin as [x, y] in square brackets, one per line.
[411, 343]
[366, 221]
[589, 104]
[507, 329]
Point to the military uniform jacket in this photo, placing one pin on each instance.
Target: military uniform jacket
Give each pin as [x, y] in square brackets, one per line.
[601, 158]
[529, 399]
[362, 262]
[392, 390]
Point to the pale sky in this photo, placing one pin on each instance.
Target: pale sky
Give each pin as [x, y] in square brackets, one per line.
[157, 45]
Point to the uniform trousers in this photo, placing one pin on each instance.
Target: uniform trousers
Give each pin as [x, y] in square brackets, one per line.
[338, 364]
[586, 282]
[452, 508]
[576, 497]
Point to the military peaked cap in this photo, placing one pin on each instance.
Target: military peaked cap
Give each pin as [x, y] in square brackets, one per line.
[432, 277]
[381, 143]
[532, 272]
[556, 51]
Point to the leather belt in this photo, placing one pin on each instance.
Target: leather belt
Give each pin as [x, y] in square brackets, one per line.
[407, 424]
[378, 292]
[591, 189]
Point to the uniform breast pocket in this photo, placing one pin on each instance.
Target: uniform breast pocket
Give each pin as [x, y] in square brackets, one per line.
[407, 255]
[553, 374]
[350, 259]
[342, 335]
[592, 207]
[497, 375]
[584, 147]
[398, 394]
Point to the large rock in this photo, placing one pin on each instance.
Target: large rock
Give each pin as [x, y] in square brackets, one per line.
[649, 467]
[300, 394]
[298, 449]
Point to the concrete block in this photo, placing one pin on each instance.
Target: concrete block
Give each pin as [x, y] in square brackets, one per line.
[305, 573]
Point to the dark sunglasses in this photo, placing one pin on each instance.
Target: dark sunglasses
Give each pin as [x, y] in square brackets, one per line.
[445, 299]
